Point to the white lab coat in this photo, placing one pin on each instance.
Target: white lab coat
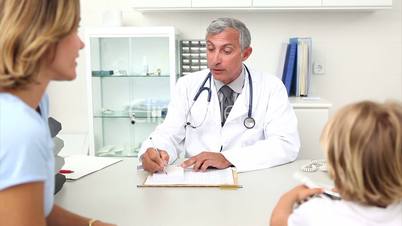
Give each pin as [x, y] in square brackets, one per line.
[273, 141]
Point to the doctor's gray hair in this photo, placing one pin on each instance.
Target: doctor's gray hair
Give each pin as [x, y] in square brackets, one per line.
[219, 25]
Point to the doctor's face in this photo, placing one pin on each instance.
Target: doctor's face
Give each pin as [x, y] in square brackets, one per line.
[225, 56]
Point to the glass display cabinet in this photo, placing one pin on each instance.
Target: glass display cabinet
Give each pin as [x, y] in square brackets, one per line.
[131, 73]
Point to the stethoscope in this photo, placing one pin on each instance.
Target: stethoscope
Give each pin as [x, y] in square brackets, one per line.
[248, 122]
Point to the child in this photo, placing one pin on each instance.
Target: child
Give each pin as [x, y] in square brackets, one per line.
[39, 43]
[363, 145]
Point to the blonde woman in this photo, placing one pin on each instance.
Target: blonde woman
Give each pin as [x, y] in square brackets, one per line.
[38, 44]
[363, 144]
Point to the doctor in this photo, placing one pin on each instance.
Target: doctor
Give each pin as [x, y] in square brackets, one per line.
[227, 115]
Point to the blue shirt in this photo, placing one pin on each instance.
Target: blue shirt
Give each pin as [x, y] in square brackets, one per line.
[26, 148]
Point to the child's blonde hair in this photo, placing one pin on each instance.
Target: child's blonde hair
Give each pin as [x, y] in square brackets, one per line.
[29, 32]
[363, 144]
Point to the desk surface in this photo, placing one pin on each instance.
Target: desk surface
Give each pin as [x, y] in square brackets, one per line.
[112, 195]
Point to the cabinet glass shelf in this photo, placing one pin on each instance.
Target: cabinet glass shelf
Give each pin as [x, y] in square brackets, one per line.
[131, 74]
[137, 115]
[127, 116]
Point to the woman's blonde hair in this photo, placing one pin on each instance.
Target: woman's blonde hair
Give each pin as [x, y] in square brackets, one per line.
[30, 31]
[363, 144]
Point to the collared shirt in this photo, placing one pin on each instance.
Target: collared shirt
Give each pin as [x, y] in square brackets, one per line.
[236, 85]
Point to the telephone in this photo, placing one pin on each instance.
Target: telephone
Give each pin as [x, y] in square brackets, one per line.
[315, 165]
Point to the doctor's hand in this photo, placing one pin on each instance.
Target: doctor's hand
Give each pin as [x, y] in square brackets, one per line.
[154, 160]
[206, 159]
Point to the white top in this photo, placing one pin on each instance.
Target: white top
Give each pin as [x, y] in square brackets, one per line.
[321, 211]
[26, 148]
[273, 141]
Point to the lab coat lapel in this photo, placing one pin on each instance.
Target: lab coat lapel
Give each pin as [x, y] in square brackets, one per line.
[216, 112]
[240, 108]
[234, 123]
[202, 107]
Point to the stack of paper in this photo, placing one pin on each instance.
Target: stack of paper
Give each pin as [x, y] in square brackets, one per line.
[77, 166]
[177, 176]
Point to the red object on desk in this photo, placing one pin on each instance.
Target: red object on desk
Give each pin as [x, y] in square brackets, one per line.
[65, 171]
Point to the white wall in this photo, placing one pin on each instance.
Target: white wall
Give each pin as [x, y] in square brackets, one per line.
[361, 51]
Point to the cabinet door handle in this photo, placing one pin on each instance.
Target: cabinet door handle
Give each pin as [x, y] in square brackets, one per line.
[132, 118]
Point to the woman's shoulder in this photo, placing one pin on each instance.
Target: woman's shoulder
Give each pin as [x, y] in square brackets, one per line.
[21, 126]
[19, 117]
[26, 146]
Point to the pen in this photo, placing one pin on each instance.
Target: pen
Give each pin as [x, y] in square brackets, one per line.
[154, 147]
[64, 171]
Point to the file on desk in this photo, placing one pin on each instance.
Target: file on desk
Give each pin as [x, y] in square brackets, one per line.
[178, 177]
[82, 165]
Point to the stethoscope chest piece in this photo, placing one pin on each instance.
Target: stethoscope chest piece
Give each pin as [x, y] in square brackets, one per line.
[249, 123]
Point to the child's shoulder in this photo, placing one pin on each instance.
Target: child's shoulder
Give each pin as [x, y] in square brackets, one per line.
[316, 211]
[323, 211]
[323, 204]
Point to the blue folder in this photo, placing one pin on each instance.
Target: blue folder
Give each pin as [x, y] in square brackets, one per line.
[289, 74]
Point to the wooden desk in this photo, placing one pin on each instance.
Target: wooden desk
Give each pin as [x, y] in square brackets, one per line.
[112, 195]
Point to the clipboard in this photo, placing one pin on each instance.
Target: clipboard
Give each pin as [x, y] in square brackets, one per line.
[212, 178]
